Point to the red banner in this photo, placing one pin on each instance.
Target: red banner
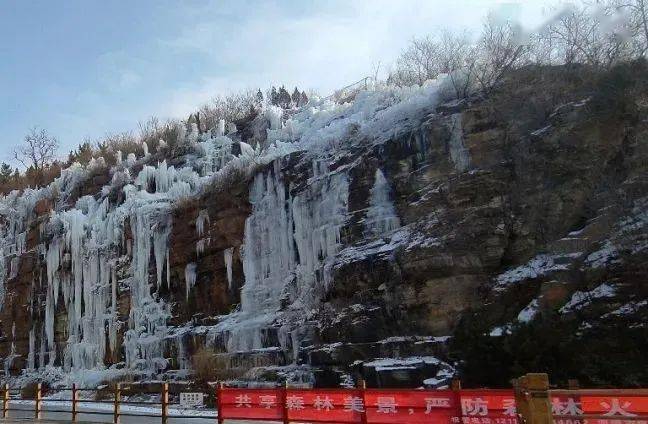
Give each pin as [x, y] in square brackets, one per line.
[410, 406]
[394, 406]
[339, 406]
[264, 404]
[488, 407]
[380, 406]
[569, 409]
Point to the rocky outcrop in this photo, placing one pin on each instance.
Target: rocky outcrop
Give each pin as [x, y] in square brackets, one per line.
[479, 219]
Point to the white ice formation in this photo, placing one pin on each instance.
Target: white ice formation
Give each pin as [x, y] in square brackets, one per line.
[114, 247]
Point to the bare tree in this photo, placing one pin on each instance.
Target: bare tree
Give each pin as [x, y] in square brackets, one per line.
[637, 22]
[596, 35]
[500, 49]
[417, 63]
[37, 151]
[458, 58]
[427, 58]
[230, 108]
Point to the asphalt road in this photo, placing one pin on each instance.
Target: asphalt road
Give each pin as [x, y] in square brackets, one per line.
[21, 411]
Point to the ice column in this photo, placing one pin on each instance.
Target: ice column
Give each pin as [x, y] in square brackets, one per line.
[190, 277]
[227, 257]
[381, 215]
[287, 240]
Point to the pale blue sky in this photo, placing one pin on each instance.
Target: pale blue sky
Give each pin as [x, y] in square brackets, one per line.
[86, 67]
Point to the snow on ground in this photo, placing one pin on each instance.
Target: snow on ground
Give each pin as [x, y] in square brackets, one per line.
[537, 267]
[500, 331]
[630, 236]
[581, 299]
[377, 115]
[629, 308]
[385, 364]
[527, 314]
[441, 380]
[603, 256]
[443, 374]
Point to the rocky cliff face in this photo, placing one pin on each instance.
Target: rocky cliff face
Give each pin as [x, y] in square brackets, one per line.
[397, 237]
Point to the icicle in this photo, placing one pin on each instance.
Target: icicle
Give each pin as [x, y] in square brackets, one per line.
[3, 278]
[145, 148]
[148, 316]
[287, 239]
[14, 265]
[131, 159]
[42, 350]
[221, 127]
[183, 361]
[164, 177]
[168, 270]
[246, 149]
[203, 217]
[200, 245]
[160, 243]
[9, 359]
[113, 310]
[118, 157]
[227, 256]
[31, 356]
[274, 114]
[190, 277]
[381, 215]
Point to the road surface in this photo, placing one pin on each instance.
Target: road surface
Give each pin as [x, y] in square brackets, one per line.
[21, 411]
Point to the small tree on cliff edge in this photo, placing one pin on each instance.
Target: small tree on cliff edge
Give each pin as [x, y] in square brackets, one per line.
[6, 173]
[37, 151]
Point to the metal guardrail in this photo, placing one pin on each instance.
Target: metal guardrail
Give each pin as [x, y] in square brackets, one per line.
[6, 395]
[532, 395]
[358, 85]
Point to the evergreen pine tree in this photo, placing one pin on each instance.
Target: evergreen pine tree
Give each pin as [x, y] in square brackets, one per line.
[295, 97]
[5, 173]
[274, 97]
[304, 99]
[283, 98]
[259, 98]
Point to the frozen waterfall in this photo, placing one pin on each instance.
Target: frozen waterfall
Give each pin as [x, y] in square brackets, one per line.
[381, 214]
[288, 243]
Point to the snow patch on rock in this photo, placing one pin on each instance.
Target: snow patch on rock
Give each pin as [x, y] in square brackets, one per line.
[581, 299]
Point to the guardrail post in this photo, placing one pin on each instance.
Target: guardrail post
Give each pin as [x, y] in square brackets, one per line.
[5, 401]
[455, 386]
[572, 384]
[285, 403]
[363, 414]
[37, 403]
[219, 409]
[165, 403]
[75, 398]
[532, 398]
[116, 413]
